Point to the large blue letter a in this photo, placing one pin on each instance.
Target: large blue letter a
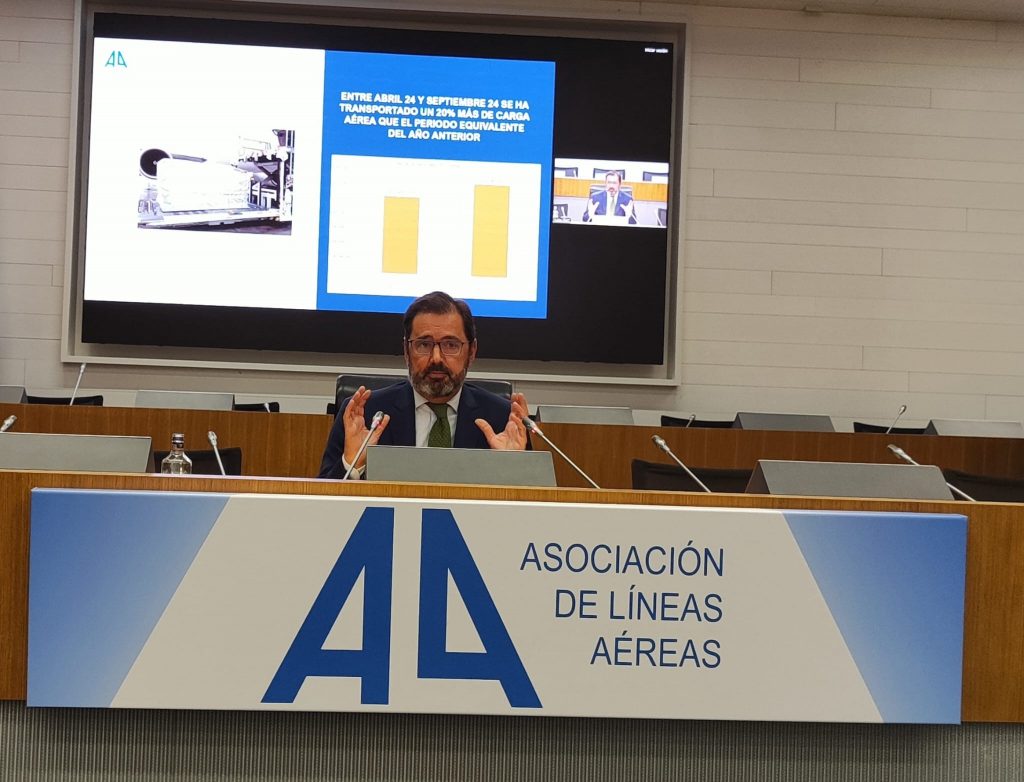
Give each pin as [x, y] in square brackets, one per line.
[369, 550]
[444, 550]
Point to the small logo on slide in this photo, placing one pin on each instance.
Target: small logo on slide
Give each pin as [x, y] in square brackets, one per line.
[116, 60]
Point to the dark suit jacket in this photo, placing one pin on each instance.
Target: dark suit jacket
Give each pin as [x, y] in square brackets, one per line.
[622, 200]
[398, 402]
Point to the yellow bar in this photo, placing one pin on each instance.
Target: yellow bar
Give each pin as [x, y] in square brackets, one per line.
[401, 234]
[490, 231]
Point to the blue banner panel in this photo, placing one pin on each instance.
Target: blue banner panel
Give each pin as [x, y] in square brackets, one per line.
[882, 610]
[101, 571]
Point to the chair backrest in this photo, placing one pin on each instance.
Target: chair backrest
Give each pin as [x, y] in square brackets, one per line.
[662, 216]
[695, 423]
[668, 477]
[561, 211]
[257, 407]
[987, 488]
[185, 400]
[580, 414]
[96, 400]
[567, 171]
[601, 173]
[860, 426]
[346, 385]
[204, 462]
[655, 176]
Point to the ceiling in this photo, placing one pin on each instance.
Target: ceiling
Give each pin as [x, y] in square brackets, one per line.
[983, 10]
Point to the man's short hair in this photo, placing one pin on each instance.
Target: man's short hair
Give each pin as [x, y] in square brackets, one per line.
[440, 303]
[615, 174]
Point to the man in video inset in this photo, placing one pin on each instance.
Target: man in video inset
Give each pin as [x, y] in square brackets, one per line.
[610, 202]
[435, 406]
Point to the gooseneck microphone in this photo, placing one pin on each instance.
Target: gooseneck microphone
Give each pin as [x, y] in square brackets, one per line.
[663, 446]
[212, 437]
[901, 454]
[374, 423]
[690, 420]
[903, 409]
[8, 423]
[532, 427]
[81, 371]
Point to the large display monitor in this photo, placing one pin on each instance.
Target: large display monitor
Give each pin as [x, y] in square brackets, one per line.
[281, 186]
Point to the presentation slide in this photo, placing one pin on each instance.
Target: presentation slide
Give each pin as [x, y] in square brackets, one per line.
[334, 181]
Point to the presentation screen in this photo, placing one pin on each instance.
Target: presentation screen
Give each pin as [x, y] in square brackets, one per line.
[293, 187]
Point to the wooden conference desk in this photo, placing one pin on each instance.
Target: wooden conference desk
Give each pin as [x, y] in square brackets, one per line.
[993, 686]
[290, 445]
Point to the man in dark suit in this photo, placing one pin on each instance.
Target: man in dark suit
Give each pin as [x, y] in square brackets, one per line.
[612, 201]
[435, 406]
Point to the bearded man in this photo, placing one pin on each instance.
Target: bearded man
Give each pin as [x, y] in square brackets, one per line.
[434, 407]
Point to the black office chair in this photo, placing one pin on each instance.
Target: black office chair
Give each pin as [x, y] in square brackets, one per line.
[257, 407]
[601, 173]
[655, 176]
[205, 463]
[987, 488]
[655, 476]
[332, 408]
[91, 401]
[347, 385]
[567, 171]
[662, 216]
[696, 423]
[859, 426]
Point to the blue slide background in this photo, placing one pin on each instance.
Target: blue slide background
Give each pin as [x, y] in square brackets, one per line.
[103, 567]
[405, 74]
[875, 594]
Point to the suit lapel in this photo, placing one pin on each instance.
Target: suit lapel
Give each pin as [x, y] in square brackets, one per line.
[467, 435]
[402, 427]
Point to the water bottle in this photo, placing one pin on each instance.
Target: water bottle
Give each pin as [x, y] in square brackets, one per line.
[176, 462]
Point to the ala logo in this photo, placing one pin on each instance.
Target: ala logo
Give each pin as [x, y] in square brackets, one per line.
[116, 60]
[369, 552]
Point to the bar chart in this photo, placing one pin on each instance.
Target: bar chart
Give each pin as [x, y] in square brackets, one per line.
[403, 226]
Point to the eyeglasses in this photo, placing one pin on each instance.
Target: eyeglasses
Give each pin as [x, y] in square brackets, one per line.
[425, 346]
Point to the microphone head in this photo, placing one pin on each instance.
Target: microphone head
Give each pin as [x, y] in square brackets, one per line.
[377, 418]
[658, 441]
[212, 437]
[8, 422]
[895, 449]
[530, 424]
[903, 409]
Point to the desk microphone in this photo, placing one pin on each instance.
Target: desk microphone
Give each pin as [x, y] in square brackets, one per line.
[81, 371]
[901, 454]
[663, 446]
[690, 420]
[212, 437]
[374, 423]
[8, 423]
[903, 409]
[532, 427]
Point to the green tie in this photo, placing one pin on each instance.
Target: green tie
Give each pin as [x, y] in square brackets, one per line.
[440, 435]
